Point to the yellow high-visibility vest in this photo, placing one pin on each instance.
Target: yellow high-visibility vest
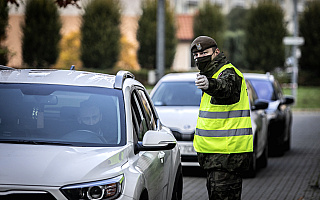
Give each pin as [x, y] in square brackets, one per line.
[224, 129]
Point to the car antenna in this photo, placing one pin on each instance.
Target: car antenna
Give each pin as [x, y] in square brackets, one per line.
[72, 67]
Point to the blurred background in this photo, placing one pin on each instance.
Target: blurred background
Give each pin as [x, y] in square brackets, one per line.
[276, 36]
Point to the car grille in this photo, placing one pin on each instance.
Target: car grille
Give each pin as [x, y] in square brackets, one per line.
[183, 137]
[42, 196]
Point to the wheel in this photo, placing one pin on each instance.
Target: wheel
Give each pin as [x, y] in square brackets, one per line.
[84, 136]
[252, 171]
[263, 160]
[276, 149]
[144, 195]
[178, 186]
[287, 144]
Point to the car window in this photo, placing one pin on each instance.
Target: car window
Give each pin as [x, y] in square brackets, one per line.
[251, 93]
[177, 94]
[278, 89]
[151, 119]
[138, 119]
[80, 116]
[249, 89]
[264, 89]
[143, 115]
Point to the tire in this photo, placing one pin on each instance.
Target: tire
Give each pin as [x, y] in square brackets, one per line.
[178, 185]
[144, 195]
[252, 171]
[263, 160]
[287, 144]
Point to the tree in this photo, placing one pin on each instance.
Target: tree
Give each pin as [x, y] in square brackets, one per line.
[147, 35]
[210, 21]
[41, 34]
[234, 38]
[100, 42]
[237, 19]
[69, 51]
[264, 34]
[4, 16]
[128, 56]
[309, 30]
[234, 48]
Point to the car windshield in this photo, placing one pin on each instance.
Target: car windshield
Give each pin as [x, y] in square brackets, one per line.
[61, 115]
[177, 94]
[263, 89]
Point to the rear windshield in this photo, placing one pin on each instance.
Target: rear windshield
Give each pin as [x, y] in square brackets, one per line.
[177, 94]
[61, 115]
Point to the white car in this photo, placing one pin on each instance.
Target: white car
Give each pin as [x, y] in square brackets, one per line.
[50, 150]
[177, 100]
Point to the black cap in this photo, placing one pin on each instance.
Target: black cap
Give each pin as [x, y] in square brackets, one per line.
[202, 43]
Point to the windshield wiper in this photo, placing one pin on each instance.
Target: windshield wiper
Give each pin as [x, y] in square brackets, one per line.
[36, 142]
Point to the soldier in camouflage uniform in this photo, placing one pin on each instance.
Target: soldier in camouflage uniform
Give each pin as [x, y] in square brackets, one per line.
[224, 169]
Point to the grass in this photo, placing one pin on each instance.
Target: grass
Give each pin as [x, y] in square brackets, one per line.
[308, 98]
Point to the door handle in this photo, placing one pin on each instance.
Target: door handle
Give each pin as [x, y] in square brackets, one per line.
[161, 155]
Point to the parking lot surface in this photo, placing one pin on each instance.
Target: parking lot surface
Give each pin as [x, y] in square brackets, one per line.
[294, 176]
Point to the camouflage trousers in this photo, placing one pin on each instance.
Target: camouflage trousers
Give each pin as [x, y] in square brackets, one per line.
[223, 185]
[224, 180]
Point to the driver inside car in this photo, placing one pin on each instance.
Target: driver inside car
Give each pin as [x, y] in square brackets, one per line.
[90, 117]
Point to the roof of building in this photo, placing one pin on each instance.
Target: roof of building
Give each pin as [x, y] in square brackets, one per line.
[185, 27]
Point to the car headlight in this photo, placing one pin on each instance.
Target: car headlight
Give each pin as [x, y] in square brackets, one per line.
[271, 115]
[105, 189]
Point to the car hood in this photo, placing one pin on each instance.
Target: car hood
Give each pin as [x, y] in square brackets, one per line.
[179, 118]
[58, 165]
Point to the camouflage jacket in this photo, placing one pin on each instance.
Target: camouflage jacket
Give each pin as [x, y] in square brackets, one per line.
[226, 88]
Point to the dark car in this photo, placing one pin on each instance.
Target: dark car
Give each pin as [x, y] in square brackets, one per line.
[279, 111]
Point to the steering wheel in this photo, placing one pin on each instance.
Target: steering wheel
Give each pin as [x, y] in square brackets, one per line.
[84, 136]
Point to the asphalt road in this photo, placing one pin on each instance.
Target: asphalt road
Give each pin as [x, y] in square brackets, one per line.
[294, 176]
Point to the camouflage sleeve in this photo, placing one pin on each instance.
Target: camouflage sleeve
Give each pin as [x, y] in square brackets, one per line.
[224, 85]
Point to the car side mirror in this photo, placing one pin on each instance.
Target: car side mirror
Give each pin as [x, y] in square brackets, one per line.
[288, 100]
[156, 141]
[260, 104]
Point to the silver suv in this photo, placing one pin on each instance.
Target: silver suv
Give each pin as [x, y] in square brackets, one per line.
[67, 134]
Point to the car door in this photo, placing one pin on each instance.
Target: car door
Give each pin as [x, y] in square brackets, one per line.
[155, 165]
[284, 111]
[259, 123]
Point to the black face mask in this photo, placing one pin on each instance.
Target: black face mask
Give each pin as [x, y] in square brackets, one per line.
[202, 62]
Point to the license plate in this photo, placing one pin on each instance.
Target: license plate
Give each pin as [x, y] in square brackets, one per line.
[187, 149]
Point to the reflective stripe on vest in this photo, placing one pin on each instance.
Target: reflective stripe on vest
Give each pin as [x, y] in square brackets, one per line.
[224, 115]
[224, 133]
[224, 128]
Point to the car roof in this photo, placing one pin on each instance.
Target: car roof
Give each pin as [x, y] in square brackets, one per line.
[64, 77]
[266, 76]
[186, 76]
